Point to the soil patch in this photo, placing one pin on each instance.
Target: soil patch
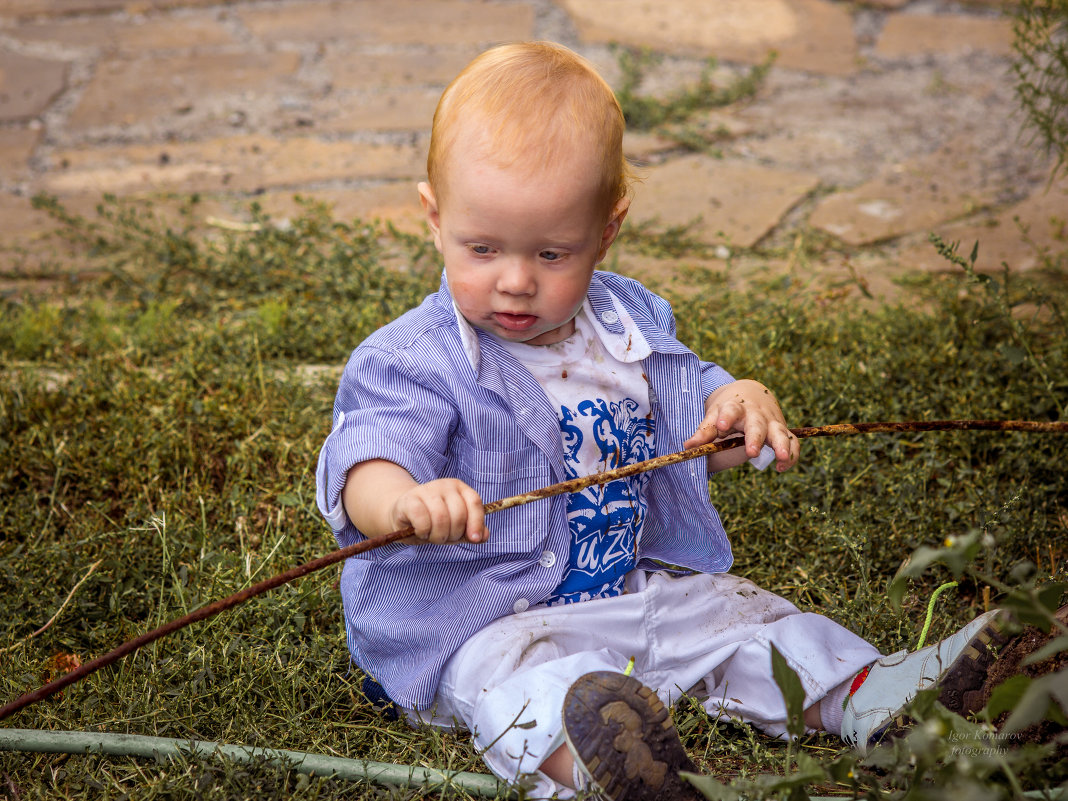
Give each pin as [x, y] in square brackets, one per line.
[1010, 663]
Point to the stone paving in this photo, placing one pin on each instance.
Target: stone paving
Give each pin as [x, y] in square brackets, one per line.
[879, 122]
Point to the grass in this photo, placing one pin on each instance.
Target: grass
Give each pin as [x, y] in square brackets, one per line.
[161, 418]
[673, 115]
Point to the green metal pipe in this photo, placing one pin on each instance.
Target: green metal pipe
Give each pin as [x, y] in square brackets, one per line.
[80, 742]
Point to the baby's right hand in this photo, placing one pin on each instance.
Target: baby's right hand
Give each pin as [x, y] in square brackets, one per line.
[441, 511]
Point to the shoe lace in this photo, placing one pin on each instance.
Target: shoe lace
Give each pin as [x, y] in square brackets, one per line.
[930, 612]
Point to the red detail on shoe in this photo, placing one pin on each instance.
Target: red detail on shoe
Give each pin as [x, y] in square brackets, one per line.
[857, 681]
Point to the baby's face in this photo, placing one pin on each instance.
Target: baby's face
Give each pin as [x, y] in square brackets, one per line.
[519, 248]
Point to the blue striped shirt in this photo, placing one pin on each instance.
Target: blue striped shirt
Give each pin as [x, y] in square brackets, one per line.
[442, 399]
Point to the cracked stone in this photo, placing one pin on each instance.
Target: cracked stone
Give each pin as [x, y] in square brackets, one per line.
[152, 34]
[906, 35]
[238, 164]
[915, 195]
[443, 22]
[58, 8]
[16, 148]
[349, 70]
[385, 110]
[28, 85]
[726, 201]
[812, 35]
[1001, 237]
[126, 91]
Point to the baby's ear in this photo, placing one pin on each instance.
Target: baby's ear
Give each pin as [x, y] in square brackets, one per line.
[611, 228]
[429, 202]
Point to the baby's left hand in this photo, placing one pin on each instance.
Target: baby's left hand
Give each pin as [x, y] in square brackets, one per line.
[748, 407]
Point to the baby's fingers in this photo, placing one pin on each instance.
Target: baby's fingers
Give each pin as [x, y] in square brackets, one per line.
[475, 514]
[787, 447]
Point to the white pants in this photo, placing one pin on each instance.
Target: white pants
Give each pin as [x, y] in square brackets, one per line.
[708, 636]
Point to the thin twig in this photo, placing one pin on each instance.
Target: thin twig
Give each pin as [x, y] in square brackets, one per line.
[573, 485]
[54, 617]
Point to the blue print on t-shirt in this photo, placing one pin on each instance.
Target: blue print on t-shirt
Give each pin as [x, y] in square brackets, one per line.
[605, 519]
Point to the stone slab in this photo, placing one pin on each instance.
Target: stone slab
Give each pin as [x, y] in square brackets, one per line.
[812, 35]
[57, 8]
[16, 148]
[369, 70]
[906, 35]
[28, 84]
[726, 201]
[641, 148]
[125, 91]
[386, 110]
[235, 164]
[915, 195]
[890, 5]
[146, 34]
[444, 22]
[1001, 237]
[828, 150]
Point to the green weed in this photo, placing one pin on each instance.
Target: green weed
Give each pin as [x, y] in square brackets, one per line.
[646, 112]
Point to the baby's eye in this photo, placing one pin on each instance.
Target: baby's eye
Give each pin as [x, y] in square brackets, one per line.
[481, 250]
[551, 255]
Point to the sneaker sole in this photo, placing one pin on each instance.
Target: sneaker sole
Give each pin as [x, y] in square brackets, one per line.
[965, 687]
[623, 735]
[960, 689]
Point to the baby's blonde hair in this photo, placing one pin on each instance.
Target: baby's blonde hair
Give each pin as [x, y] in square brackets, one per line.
[532, 102]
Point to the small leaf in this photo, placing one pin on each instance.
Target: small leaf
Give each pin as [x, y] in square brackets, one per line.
[1013, 354]
[792, 692]
[710, 788]
[843, 769]
[529, 724]
[1049, 595]
[1034, 606]
[1037, 700]
[991, 284]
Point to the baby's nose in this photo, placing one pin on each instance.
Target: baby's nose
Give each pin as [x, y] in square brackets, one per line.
[517, 278]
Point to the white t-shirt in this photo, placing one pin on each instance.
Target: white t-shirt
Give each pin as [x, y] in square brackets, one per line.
[602, 403]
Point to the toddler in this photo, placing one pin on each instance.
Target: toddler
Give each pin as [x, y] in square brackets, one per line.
[529, 366]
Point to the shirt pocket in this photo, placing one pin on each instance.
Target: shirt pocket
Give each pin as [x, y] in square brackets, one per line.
[499, 474]
[520, 468]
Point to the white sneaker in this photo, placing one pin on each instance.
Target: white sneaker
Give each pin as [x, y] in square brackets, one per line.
[958, 663]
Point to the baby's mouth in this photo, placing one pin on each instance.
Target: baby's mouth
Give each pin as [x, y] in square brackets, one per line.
[515, 322]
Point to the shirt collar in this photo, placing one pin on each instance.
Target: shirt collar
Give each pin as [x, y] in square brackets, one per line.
[617, 330]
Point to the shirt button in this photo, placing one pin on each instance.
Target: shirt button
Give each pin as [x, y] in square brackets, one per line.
[548, 559]
[610, 318]
[520, 605]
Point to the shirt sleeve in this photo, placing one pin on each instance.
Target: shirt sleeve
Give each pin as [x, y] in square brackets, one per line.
[383, 410]
[713, 377]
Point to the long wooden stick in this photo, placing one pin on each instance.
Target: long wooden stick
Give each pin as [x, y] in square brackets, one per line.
[573, 485]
